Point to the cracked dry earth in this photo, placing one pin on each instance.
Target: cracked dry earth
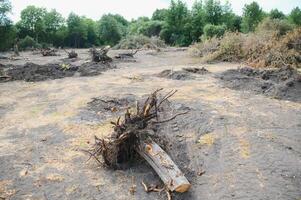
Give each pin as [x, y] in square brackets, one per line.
[247, 146]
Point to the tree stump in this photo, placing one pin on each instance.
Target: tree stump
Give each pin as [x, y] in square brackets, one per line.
[101, 55]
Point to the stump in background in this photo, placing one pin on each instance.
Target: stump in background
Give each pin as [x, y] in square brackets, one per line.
[101, 55]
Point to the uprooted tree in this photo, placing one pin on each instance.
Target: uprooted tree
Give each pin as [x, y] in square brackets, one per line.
[100, 55]
[131, 136]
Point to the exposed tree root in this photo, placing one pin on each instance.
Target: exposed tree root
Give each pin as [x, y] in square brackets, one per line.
[120, 145]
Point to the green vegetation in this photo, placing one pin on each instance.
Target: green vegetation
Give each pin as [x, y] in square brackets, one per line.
[28, 43]
[177, 25]
[140, 41]
[214, 30]
[7, 30]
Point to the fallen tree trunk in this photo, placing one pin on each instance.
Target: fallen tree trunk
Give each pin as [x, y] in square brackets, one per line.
[167, 170]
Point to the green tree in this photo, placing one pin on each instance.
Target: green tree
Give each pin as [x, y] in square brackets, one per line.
[198, 20]
[61, 37]
[276, 14]
[177, 29]
[213, 12]
[109, 30]
[211, 30]
[5, 8]
[252, 15]
[32, 22]
[7, 30]
[159, 14]
[53, 21]
[137, 25]
[152, 28]
[122, 23]
[92, 38]
[295, 16]
[146, 27]
[77, 31]
[229, 19]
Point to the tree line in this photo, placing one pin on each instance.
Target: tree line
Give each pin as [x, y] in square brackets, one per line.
[177, 25]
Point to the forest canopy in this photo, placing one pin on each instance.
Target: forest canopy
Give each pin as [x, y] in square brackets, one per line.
[177, 25]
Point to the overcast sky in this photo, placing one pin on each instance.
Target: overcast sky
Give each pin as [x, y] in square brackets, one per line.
[133, 8]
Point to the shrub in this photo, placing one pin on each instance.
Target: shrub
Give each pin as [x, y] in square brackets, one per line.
[231, 47]
[205, 48]
[214, 31]
[139, 41]
[278, 26]
[28, 43]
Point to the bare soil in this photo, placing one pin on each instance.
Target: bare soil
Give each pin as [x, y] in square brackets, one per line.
[282, 83]
[233, 144]
[184, 74]
[64, 67]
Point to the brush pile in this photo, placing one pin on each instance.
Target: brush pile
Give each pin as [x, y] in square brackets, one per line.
[260, 49]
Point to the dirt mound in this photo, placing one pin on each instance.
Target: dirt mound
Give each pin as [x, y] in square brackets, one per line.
[112, 104]
[196, 70]
[94, 68]
[184, 74]
[33, 72]
[280, 83]
[175, 75]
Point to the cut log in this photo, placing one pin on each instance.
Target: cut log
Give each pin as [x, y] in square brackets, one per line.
[167, 170]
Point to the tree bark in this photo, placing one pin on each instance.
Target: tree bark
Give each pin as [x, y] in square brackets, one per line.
[167, 170]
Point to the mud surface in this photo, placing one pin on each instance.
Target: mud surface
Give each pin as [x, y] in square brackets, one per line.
[284, 83]
[232, 144]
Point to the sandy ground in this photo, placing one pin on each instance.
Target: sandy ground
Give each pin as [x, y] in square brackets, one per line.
[248, 145]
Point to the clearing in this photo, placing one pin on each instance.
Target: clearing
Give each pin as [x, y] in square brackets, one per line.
[235, 142]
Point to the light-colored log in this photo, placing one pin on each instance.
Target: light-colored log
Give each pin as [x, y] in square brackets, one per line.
[167, 170]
